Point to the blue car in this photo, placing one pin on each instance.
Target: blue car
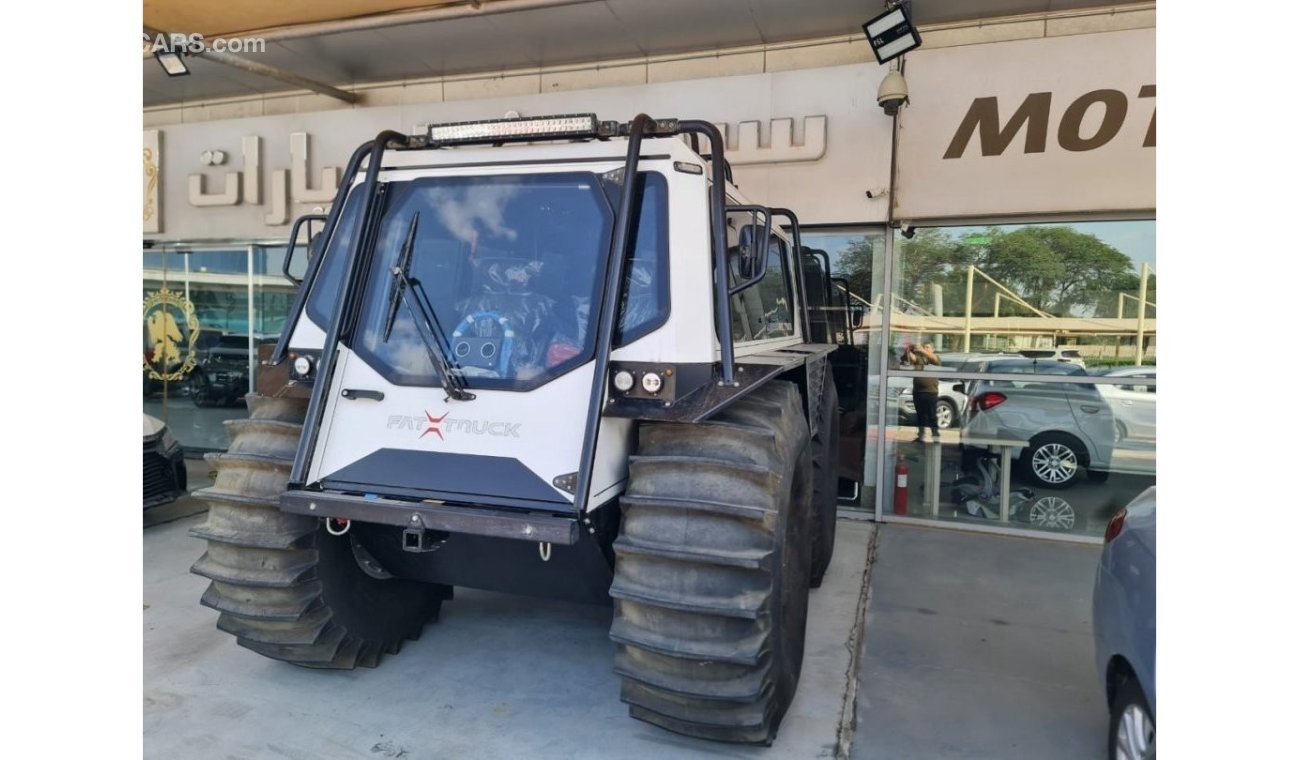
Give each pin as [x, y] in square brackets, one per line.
[1124, 627]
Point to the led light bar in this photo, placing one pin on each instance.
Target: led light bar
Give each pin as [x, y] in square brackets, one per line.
[515, 130]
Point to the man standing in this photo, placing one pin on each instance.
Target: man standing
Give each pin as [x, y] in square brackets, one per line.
[925, 390]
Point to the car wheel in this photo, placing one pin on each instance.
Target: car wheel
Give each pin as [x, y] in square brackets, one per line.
[1053, 460]
[945, 414]
[202, 393]
[1052, 513]
[1132, 729]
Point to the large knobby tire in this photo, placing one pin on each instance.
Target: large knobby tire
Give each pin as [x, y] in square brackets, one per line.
[711, 577]
[285, 588]
[826, 482]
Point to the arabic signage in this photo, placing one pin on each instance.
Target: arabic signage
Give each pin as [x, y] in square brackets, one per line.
[1042, 126]
[810, 140]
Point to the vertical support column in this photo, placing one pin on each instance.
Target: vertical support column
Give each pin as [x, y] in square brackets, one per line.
[884, 305]
[1004, 484]
[1142, 311]
[933, 471]
[252, 342]
[970, 295]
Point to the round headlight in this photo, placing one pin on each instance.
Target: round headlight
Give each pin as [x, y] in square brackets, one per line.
[651, 382]
[623, 381]
[302, 366]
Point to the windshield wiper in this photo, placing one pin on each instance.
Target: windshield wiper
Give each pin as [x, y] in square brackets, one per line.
[426, 321]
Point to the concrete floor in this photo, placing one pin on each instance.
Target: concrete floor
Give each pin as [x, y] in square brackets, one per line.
[497, 677]
[978, 646]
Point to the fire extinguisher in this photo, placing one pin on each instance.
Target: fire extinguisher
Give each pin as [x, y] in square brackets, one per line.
[900, 487]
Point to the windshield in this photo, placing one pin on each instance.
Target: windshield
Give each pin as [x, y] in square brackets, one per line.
[510, 264]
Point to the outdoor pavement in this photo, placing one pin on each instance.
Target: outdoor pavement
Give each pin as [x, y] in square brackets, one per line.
[497, 676]
[978, 646]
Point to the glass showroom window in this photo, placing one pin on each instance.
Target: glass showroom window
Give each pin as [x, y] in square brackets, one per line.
[197, 323]
[1022, 373]
[855, 258]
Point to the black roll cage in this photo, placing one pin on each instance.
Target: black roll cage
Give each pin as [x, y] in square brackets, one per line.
[358, 256]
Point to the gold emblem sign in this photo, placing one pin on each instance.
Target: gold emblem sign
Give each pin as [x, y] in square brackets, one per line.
[170, 329]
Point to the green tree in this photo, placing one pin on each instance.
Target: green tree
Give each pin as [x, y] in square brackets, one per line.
[1057, 269]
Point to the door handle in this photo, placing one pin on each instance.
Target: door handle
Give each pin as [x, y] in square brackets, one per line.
[356, 393]
[1089, 409]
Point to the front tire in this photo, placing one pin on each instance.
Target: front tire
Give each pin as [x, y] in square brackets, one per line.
[711, 578]
[285, 588]
[826, 483]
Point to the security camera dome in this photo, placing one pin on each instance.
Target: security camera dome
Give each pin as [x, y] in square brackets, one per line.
[892, 92]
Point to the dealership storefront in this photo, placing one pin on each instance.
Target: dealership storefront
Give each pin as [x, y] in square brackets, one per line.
[1006, 217]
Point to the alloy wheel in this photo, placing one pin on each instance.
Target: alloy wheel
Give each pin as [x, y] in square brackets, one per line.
[1055, 463]
[1052, 513]
[1135, 735]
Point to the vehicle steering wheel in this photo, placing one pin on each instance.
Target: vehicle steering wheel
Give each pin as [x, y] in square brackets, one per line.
[491, 352]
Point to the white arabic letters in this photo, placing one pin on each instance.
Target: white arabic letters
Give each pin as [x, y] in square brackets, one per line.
[279, 213]
[329, 176]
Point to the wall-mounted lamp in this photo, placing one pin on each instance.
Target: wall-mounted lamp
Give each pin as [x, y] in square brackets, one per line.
[172, 63]
[891, 33]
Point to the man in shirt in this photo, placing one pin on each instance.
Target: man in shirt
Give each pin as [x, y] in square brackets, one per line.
[925, 390]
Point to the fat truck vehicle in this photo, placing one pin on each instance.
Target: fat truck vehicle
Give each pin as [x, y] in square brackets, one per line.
[557, 356]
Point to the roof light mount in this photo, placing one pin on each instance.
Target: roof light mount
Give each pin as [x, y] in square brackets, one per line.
[582, 126]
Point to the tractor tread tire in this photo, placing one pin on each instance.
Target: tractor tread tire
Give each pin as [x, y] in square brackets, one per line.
[826, 481]
[712, 569]
[283, 587]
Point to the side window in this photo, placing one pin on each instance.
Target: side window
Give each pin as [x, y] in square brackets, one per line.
[324, 291]
[645, 279]
[764, 310]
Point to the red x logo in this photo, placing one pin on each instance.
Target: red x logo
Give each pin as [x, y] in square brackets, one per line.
[433, 424]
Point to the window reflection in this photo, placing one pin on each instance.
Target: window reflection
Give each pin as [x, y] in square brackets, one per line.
[1069, 307]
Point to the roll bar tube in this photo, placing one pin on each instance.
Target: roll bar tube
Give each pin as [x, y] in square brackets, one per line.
[717, 203]
[313, 266]
[353, 267]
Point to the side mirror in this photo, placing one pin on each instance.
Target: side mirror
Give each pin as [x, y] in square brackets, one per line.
[314, 223]
[752, 262]
[960, 388]
[753, 244]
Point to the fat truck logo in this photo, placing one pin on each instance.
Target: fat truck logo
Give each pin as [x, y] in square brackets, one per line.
[427, 424]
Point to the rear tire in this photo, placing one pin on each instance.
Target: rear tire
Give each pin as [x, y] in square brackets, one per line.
[1053, 460]
[826, 483]
[284, 587]
[712, 571]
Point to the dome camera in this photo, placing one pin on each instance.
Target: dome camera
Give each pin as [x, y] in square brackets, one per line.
[892, 93]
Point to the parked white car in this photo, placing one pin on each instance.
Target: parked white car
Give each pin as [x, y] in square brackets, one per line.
[1070, 355]
[1134, 406]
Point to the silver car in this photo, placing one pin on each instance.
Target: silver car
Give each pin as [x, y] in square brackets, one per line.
[1134, 406]
[1067, 428]
[1124, 628]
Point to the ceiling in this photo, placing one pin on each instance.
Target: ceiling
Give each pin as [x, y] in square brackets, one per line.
[349, 42]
